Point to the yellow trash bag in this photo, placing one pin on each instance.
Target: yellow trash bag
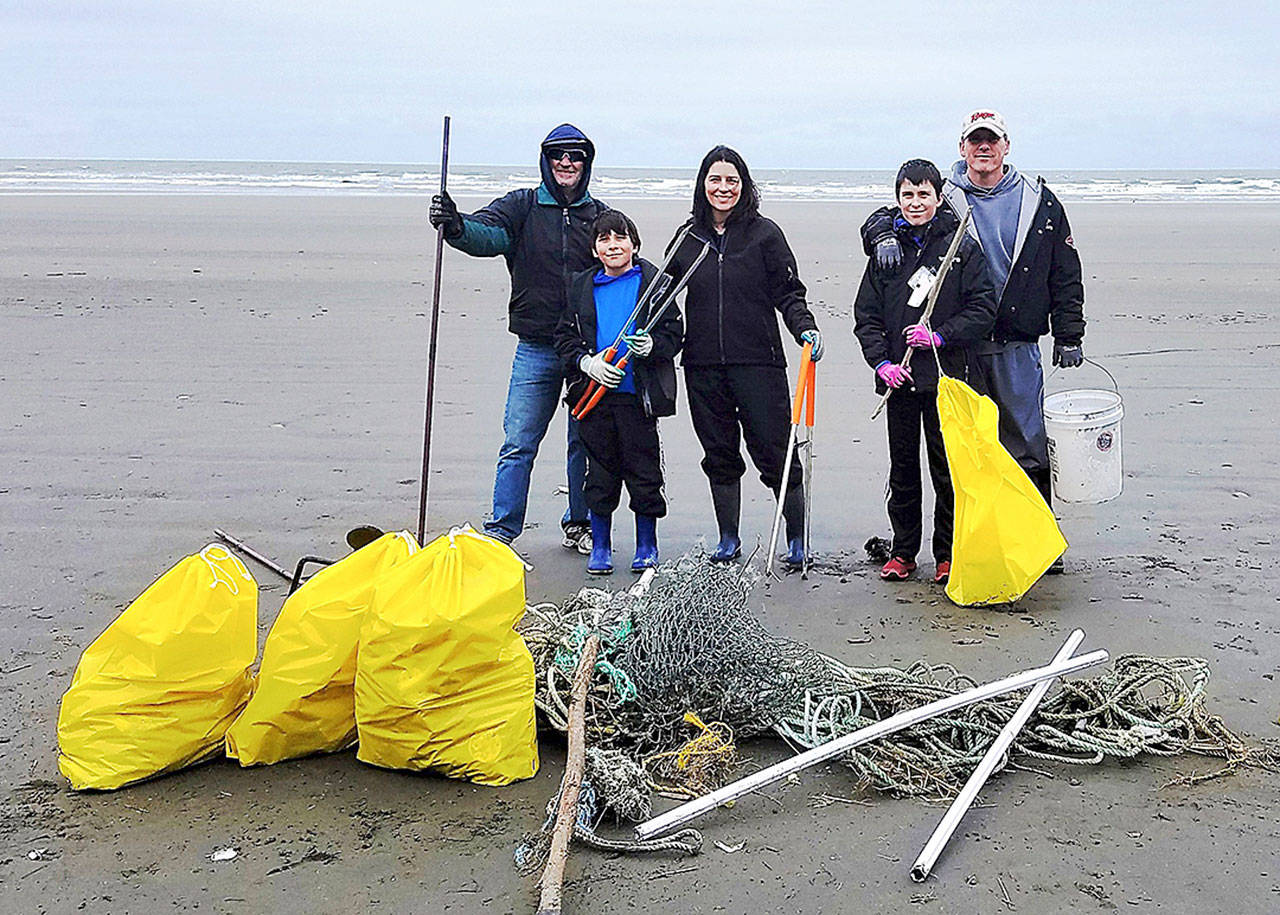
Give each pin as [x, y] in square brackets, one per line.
[443, 681]
[157, 690]
[305, 699]
[1005, 536]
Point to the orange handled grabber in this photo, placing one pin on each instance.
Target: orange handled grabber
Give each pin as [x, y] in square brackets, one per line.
[591, 396]
[803, 403]
[635, 313]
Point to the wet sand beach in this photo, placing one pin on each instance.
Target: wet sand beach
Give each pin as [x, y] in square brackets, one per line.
[172, 364]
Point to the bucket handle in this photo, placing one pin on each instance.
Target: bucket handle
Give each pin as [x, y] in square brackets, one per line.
[1112, 378]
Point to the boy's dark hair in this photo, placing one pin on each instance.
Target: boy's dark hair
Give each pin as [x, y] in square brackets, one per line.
[918, 171]
[617, 222]
[748, 204]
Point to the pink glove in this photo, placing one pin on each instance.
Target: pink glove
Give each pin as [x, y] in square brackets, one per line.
[920, 337]
[895, 376]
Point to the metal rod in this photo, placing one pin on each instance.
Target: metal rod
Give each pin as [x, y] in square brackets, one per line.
[904, 719]
[808, 471]
[431, 349]
[253, 554]
[805, 356]
[960, 806]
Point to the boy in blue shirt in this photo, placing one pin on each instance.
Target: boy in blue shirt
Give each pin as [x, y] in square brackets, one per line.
[621, 431]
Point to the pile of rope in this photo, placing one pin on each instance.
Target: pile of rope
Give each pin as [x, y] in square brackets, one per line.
[689, 644]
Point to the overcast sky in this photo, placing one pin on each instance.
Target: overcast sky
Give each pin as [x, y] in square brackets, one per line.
[803, 85]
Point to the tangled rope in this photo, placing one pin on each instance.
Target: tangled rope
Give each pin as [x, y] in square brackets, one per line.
[610, 774]
[703, 764]
[690, 645]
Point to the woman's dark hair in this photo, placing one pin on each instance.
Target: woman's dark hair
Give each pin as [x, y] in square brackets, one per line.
[617, 222]
[918, 171]
[748, 204]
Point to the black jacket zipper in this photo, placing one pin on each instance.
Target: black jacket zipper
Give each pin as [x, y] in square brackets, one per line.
[720, 289]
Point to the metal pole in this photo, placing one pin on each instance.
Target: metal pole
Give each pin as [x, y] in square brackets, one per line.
[253, 554]
[431, 349]
[905, 719]
[808, 473]
[960, 806]
[791, 448]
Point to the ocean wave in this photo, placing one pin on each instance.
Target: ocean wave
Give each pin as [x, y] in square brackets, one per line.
[126, 177]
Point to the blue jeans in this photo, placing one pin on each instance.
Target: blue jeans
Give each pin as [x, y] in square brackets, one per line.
[537, 380]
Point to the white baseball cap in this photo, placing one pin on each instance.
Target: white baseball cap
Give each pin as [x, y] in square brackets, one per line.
[984, 117]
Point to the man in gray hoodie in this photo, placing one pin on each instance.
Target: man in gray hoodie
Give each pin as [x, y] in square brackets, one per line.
[1026, 238]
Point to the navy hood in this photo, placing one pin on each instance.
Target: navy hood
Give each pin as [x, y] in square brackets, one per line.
[566, 135]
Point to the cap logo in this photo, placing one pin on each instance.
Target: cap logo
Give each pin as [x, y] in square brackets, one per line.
[981, 116]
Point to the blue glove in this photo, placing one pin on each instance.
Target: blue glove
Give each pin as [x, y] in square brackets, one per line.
[814, 338]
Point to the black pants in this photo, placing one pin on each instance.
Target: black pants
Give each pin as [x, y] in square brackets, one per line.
[732, 403]
[622, 446]
[908, 412]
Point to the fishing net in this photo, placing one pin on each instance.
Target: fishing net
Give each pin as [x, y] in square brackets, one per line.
[689, 644]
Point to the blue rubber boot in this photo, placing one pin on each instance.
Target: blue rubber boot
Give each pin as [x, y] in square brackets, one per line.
[794, 556]
[601, 561]
[646, 543]
[726, 498]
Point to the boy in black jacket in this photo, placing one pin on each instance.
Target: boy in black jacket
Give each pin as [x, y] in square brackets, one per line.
[887, 315]
[621, 432]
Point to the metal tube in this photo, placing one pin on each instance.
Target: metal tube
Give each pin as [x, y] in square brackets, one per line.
[960, 806]
[430, 396]
[905, 719]
[253, 554]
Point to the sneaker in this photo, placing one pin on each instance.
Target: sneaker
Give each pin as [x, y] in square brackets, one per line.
[942, 572]
[1058, 567]
[577, 536]
[897, 569]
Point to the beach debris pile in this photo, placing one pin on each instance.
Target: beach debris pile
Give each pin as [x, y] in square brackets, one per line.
[690, 645]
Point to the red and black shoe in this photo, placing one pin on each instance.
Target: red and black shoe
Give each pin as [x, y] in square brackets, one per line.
[897, 569]
[942, 572]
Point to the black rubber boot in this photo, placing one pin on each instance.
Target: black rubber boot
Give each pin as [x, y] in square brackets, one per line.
[726, 499]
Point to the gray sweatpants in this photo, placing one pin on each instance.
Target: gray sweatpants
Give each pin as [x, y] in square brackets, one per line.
[1010, 374]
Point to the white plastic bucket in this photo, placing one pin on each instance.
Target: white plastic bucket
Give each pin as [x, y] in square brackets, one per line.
[1084, 444]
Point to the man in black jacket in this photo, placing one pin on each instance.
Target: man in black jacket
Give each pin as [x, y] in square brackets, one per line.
[544, 234]
[1025, 235]
[887, 321]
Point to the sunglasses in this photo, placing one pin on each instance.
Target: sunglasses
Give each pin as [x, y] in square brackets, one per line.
[574, 153]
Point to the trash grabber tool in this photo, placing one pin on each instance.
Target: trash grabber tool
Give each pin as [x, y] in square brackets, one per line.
[295, 579]
[934, 291]
[806, 364]
[635, 313]
[582, 409]
[810, 391]
[431, 348]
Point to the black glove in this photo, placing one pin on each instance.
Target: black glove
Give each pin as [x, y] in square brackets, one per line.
[888, 253]
[1068, 357]
[444, 212]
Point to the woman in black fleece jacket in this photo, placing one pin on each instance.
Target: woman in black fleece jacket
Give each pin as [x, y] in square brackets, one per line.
[735, 367]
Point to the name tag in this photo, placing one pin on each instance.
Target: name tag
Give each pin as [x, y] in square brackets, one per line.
[921, 282]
